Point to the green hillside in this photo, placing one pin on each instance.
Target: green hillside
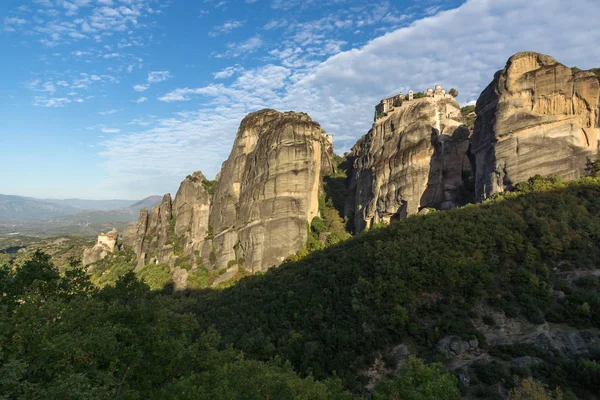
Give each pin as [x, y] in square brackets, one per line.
[420, 280]
[528, 257]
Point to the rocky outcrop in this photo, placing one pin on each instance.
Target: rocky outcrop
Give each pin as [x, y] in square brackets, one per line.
[173, 229]
[150, 237]
[268, 189]
[106, 244]
[410, 160]
[536, 117]
[191, 210]
[266, 194]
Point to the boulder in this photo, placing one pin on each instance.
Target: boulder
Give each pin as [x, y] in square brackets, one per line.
[453, 346]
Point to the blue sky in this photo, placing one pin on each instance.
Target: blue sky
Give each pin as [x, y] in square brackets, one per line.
[123, 98]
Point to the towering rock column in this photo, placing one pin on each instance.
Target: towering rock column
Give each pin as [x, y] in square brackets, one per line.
[536, 117]
[267, 193]
[268, 189]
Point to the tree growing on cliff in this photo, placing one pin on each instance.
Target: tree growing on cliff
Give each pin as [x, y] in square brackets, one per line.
[453, 92]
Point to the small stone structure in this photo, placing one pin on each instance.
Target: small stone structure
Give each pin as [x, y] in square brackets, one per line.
[108, 239]
[106, 244]
[386, 105]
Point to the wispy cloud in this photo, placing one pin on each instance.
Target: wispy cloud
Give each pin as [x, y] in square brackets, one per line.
[140, 100]
[110, 130]
[153, 77]
[341, 91]
[83, 19]
[226, 28]
[246, 47]
[158, 76]
[228, 72]
[109, 112]
[51, 102]
[140, 88]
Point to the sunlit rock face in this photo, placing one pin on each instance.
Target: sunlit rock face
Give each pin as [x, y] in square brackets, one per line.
[106, 244]
[267, 192]
[191, 209]
[536, 117]
[412, 159]
[268, 189]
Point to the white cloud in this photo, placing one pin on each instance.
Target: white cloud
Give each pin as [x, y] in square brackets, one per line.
[14, 21]
[140, 88]
[110, 130]
[153, 77]
[276, 24]
[50, 102]
[140, 100]
[253, 87]
[459, 48]
[75, 20]
[228, 72]
[109, 112]
[226, 28]
[246, 47]
[158, 76]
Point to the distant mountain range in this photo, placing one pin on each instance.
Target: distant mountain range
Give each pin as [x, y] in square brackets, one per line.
[100, 205]
[18, 208]
[49, 217]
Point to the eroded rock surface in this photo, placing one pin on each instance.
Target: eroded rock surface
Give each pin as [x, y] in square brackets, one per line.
[191, 210]
[267, 192]
[536, 117]
[173, 229]
[410, 160]
[268, 189]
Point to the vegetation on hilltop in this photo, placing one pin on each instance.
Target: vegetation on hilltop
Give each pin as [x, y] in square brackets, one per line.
[421, 279]
[324, 317]
[64, 251]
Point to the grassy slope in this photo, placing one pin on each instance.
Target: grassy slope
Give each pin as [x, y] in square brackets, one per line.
[417, 280]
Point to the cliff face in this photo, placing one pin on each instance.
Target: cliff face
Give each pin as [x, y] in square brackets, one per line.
[536, 117]
[411, 159]
[266, 194]
[191, 209]
[149, 237]
[268, 189]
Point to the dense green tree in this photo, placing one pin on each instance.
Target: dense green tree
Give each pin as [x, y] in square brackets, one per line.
[419, 381]
[62, 338]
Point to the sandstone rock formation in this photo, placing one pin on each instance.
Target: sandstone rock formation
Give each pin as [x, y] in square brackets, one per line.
[268, 189]
[410, 160]
[266, 195]
[150, 236]
[191, 209]
[106, 244]
[536, 117]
